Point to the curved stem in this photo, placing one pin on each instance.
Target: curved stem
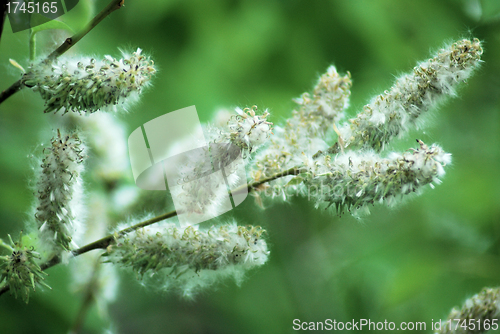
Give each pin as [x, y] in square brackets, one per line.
[108, 240]
[68, 43]
[255, 184]
[14, 88]
[288, 172]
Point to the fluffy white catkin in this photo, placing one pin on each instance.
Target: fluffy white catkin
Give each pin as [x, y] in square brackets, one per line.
[478, 314]
[302, 142]
[190, 259]
[306, 131]
[58, 192]
[326, 105]
[229, 147]
[354, 180]
[88, 85]
[105, 136]
[246, 129]
[393, 112]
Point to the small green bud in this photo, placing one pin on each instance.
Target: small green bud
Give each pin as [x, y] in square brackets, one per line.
[19, 270]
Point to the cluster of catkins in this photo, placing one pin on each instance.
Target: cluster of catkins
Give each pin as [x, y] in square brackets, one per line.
[340, 165]
[184, 258]
[350, 172]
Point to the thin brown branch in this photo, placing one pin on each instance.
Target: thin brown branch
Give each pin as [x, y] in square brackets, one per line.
[68, 43]
[14, 88]
[108, 240]
[255, 184]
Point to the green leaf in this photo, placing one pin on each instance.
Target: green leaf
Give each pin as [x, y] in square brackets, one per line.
[79, 16]
[295, 181]
[52, 24]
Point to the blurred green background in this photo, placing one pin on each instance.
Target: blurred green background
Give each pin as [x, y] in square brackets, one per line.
[411, 263]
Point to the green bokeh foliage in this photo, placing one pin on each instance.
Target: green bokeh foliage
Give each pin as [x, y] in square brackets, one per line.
[411, 263]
